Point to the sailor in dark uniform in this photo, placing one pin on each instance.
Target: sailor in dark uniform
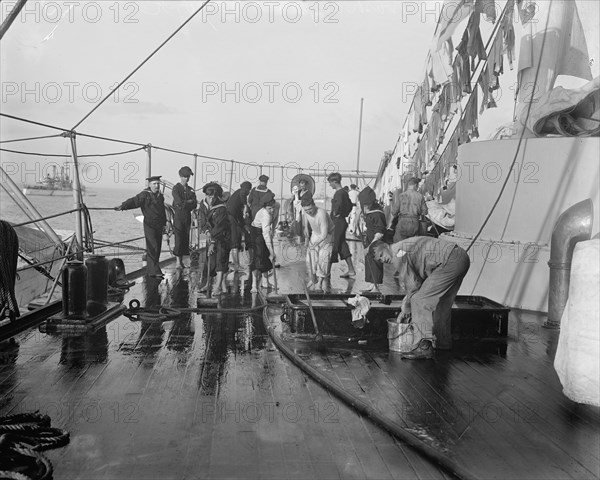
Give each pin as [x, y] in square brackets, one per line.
[184, 201]
[152, 203]
[219, 229]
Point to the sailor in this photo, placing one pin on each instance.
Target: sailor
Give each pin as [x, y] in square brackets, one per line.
[235, 207]
[409, 206]
[256, 197]
[301, 191]
[354, 217]
[184, 202]
[407, 209]
[320, 245]
[341, 206]
[152, 203]
[261, 235]
[432, 270]
[375, 224]
[219, 232]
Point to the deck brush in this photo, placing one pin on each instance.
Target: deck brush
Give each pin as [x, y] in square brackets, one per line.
[320, 347]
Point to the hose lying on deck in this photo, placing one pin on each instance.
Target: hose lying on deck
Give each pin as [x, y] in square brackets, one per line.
[443, 461]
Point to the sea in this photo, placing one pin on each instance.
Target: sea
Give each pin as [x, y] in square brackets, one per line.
[108, 226]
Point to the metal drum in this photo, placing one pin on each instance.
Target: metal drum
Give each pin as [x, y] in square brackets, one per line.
[97, 285]
[74, 289]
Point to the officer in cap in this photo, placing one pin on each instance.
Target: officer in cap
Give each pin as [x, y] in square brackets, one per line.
[152, 203]
[257, 196]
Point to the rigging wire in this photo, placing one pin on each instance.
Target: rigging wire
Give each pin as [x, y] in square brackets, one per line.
[30, 138]
[141, 64]
[36, 154]
[145, 146]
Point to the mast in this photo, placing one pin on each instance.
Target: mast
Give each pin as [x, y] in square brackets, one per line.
[77, 197]
[359, 135]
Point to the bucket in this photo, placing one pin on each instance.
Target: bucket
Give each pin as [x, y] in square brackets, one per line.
[97, 284]
[400, 336]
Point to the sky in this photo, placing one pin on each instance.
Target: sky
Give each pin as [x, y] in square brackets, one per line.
[269, 83]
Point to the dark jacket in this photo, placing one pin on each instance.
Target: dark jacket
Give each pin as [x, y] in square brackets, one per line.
[217, 221]
[184, 199]
[153, 207]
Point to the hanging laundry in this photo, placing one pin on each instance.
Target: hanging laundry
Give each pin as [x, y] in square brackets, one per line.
[419, 110]
[439, 67]
[495, 62]
[488, 8]
[562, 44]
[487, 100]
[463, 65]
[426, 93]
[453, 14]
[433, 130]
[508, 33]
[471, 120]
[450, 154]
[475, 46]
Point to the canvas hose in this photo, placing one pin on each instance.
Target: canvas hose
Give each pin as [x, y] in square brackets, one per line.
[21, 437]
[398, 431]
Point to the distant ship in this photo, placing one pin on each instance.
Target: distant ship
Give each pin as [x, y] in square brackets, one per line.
[57, 184]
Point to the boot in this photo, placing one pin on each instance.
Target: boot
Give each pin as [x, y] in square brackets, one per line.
[424, 350]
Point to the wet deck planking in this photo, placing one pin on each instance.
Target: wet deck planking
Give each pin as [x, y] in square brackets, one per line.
[206, 396]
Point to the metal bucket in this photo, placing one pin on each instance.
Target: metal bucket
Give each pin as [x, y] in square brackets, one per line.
[400, 336]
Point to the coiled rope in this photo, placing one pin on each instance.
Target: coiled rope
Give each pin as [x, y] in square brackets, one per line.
[22, 436]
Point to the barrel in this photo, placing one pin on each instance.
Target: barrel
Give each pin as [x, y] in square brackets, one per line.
[97, 284]
[74, 289]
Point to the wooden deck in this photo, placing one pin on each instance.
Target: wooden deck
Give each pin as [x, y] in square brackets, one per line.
[209, 396]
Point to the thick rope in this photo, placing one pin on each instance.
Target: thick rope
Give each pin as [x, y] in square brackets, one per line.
[21, 437]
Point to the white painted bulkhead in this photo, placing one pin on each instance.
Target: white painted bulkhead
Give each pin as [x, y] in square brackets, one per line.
[510, 256]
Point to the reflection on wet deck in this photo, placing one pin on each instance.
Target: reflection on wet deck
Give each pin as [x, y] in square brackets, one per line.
[208, 396]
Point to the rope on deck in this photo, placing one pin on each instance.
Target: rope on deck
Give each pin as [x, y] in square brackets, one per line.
[21, 437]
[395, 429]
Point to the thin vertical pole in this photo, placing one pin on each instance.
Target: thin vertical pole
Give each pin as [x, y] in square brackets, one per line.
[231, 176]
[148, 162]
[77, 195]
[281, 193]
[195, 169]
[359, 135]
